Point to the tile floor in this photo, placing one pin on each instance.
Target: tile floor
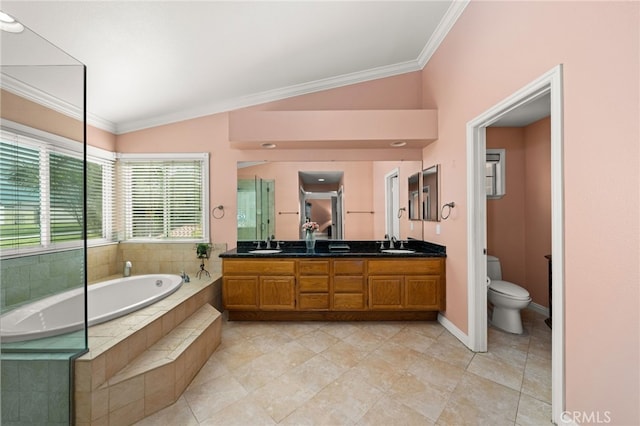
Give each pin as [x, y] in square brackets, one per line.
[364, 373]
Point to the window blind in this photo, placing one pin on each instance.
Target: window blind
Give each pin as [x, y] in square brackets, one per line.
[42, 180]
[163, 199]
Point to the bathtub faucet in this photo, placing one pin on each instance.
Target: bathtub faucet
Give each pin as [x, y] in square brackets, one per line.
[127, 269]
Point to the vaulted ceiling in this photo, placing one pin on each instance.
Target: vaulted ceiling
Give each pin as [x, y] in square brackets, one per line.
[156, 62]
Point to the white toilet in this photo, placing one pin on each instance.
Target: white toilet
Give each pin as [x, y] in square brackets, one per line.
[507, 299]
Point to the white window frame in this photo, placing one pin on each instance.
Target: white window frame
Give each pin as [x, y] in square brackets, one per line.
[500, 173]
[47, 143]
[200, 156]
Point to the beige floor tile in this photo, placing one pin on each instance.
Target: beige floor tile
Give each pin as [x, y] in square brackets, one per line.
[413, 339]
[241, 413]
[367, 373]
[479, 401]
[314, 374]
[494, 368]
[537, 378]
[365, 340]
[533, 412]
[345, 354]
[349, 396]
[437, 373]
[340, 330]
[209, 398]
[399, 356]
[454, 354]
[423, 398]
[389, 412]
[281, 397]
[176, 414]
[318, 340]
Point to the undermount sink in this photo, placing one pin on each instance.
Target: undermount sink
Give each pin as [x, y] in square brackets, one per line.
[398, 251]
[265, 251]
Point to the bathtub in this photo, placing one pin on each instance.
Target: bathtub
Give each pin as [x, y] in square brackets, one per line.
[63, 313]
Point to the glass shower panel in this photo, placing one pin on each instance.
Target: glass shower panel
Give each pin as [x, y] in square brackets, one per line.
[42, 224]
[256, 209]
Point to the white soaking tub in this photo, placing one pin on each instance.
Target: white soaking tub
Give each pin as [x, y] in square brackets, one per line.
[63, 313]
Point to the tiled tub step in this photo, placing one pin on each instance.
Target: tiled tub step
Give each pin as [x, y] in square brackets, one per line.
[156, 378]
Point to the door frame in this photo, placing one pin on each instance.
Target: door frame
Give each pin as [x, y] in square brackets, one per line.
[550, 82]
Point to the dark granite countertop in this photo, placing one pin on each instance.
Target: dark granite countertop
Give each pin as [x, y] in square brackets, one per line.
[337, 248]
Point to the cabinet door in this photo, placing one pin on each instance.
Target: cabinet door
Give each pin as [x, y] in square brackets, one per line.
[240, 293]
[386, 292]
[422, 292]
[277, 293]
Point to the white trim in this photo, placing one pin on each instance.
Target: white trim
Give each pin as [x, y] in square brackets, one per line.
[270, 96]
[444, 26]
[32, 94]
[164, 156]
[550, 82]
[451, 328]
[535, 307]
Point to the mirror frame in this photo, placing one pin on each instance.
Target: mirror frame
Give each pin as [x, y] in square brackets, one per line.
[428, 199]
[414, 200]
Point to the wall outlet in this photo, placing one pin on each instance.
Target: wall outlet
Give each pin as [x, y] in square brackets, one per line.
[437, 229]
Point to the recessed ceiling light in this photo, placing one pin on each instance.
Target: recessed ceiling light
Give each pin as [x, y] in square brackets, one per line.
[398, 144]
[268, 145]
[320, 179]
[8, 24]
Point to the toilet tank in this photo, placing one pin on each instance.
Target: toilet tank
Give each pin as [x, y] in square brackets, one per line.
[493, 268]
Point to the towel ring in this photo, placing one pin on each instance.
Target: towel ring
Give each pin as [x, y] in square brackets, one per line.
[450, 205]
[400, 210]
[219, 215]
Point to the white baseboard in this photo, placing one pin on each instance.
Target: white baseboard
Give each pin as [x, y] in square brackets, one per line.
[451, 328]
[538, 308]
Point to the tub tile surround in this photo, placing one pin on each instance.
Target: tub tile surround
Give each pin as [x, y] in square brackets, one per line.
[142, 362]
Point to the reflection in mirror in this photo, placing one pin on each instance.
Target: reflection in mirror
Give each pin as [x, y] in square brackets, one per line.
[430, 196]
[414, 196]
[352, 199]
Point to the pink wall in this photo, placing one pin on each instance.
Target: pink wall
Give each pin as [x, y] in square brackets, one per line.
[519, 224]
[537, 146]
[506, 230]
[210, 134]
[495, 49]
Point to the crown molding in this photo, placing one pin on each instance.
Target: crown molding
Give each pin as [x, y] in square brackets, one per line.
[25, 91]
[446, 23]
[271, 95]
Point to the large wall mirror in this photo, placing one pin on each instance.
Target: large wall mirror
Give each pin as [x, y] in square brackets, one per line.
[430, 193]
[350, 200]
[413, 186]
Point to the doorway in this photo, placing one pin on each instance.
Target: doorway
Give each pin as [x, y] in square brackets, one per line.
[551, 84]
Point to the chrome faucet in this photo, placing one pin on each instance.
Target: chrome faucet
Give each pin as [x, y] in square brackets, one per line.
[392, 243]
[268, 243]
[127, 269]
[185, 277]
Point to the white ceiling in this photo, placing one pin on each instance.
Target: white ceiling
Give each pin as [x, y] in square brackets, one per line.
[151, 62]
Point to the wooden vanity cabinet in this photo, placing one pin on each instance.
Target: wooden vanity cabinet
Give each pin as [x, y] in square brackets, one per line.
[333, 288]
[314, 277]
[349, 285]
[249, 285]
[407, 284]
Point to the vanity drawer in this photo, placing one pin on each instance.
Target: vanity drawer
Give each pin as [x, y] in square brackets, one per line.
[259, 267]
[313, 301]
[348, 302]
[348, 267]
[348, 284]
[405, 267]
[314, 267]
[313, 284]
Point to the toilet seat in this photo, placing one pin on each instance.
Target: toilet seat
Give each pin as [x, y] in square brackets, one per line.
[509, 289]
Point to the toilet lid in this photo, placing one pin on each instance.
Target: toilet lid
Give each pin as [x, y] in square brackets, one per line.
[510, 289]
